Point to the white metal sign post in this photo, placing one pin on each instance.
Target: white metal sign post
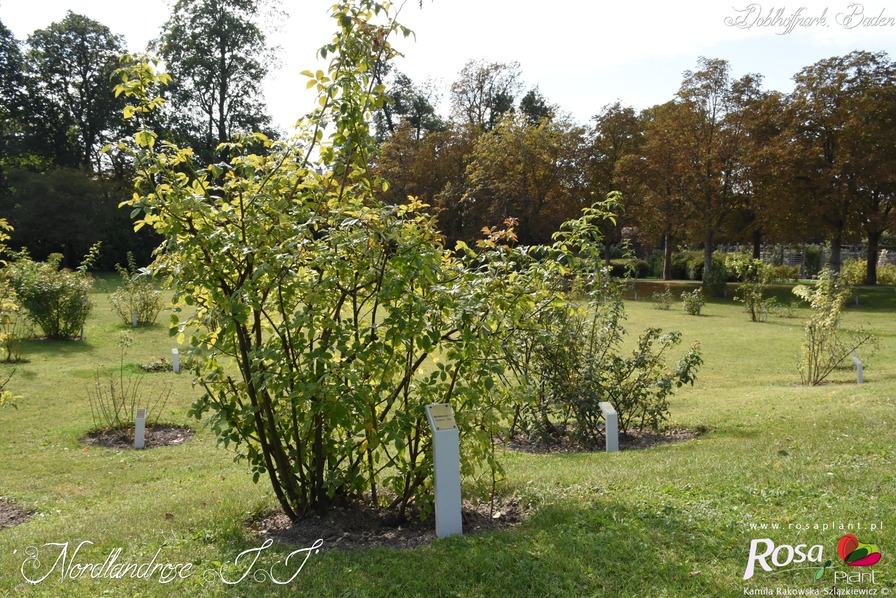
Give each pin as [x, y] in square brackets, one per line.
[139, 428]
[860, 374]
[611, 428]
[175, 361]
[446, 457]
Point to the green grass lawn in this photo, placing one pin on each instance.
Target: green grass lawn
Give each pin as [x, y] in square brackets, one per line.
[672, 520]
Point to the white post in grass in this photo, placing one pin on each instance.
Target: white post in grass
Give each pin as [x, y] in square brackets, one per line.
[446, 459]
[860, 374]
[175, 361]
[611, 427]
[134, 319]
[139, 428]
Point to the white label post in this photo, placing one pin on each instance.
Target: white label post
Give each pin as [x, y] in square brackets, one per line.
[446, 458]
[175, 361]
[611, 426]
[139, 428]
[134, 319]
[860, 367]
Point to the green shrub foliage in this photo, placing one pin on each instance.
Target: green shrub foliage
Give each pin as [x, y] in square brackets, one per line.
[825, 346]
[570, 358]
[136, 296]
[755, 276]
[693, 301]
[853, 272]
[663, 300]
[344, 317]
[57, 300]
[322, 322]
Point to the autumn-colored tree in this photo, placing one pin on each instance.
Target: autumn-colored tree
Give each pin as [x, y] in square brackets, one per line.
[528, 172]
[618, 131]
[772, 206]
[712, 129]
[654, 185]
[844, 150]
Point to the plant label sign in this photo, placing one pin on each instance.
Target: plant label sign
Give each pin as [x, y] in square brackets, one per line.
[441, 417]
[139, 427]
[446, 461]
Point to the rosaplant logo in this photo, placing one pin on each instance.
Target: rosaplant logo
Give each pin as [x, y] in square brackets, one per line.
[855, 554]
[771, 558]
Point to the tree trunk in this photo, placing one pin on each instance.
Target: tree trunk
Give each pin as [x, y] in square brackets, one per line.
[835, 261]
[708, 246]
[667, 257]
[873, 250]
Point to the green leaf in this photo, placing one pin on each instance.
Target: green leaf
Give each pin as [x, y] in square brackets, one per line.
[145, 139]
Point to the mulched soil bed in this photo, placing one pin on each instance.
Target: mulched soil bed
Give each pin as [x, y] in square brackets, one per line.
[11, 515]
[635, 439]
[358, 527]
[161, 435]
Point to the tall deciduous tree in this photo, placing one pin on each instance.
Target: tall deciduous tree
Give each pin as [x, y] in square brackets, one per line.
[654, 183]
[410, 104]
[216, 53]
[842, 127]
[713, 128]
[617, 132]
[484, 91]
[528, 172]
[11, 97]
[73, 111]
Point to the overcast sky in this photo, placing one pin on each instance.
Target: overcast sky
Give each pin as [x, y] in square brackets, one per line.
[582, 54]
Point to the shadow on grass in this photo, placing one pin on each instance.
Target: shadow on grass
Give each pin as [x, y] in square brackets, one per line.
[49, 347]
[604, 549]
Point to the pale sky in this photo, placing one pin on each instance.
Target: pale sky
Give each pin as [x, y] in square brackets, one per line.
[582, 54]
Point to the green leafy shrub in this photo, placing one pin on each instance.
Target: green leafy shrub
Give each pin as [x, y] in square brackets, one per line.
[853, 271]
[14, 325]
[886, 274]
[571, 360]
[161, 364]
[629, 267]
[687, 265]
[785, 273]
[321, 321]
[693, 301]
[57, 300]
[663, 300]
[11, 319]
[824, 346]
[716, 282]
[136, 296]
[755, 276]
[813, 262]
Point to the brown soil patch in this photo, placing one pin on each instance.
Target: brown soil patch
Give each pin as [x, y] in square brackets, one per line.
[160, 435]
[633, 440]
[358, 527]
[11, 515]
